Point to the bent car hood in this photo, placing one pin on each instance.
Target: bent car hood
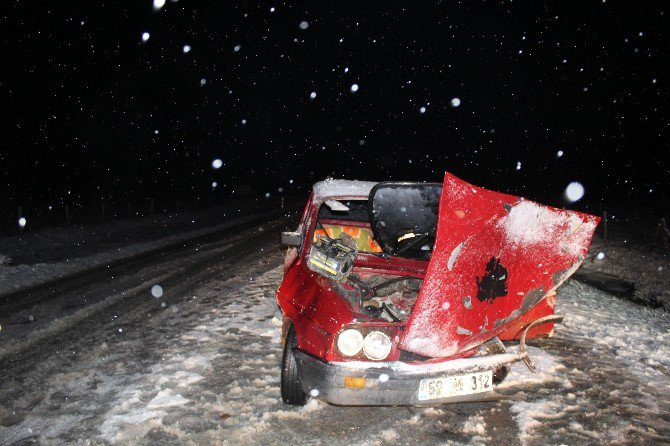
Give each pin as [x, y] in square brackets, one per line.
[495, 257]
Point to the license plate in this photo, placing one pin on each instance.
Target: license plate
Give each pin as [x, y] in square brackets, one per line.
[456, 385]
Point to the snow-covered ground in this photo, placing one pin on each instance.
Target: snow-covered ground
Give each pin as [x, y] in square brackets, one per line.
[206, 371]
[646, 264]
[39, 257]
[200, 365]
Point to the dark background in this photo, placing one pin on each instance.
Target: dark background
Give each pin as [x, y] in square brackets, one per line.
[92, 114]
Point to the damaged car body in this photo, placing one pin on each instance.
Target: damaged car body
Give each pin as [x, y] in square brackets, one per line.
[402, 293]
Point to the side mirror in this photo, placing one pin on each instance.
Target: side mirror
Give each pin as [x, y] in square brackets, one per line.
[291, 239]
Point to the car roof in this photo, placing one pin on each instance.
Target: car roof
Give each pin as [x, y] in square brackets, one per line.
[342, 188]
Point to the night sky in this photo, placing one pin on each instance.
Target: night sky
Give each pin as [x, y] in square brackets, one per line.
[94, 112]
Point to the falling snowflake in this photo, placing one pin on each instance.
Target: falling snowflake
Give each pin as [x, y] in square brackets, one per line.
[455, 102]
[304, 25]
[214, 184]
[600, 256]
[354, 88]
[203, 81]
[559, 154]
[312, 95]
[158, 4]
[157, 291]
[574, 191]
[237, 48]
[422, 110]
[518, 165]
[187, 48]
[217, 163]
[22, 222]
[145, 36]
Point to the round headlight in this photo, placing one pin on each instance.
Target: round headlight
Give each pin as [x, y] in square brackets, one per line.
[377, 345]
[350, 342]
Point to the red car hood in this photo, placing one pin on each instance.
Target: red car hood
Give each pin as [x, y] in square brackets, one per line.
[496, 256]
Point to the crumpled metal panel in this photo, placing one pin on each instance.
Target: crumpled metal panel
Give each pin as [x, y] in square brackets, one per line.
[496, 256]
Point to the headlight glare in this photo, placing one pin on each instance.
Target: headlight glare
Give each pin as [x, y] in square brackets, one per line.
[350, 342]
[377, 345]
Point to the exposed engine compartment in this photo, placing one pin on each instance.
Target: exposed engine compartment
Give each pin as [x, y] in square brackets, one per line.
[382, 296]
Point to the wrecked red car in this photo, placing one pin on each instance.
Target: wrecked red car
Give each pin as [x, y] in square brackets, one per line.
[402, 293]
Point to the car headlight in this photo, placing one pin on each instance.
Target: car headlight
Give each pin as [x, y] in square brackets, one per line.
[350, 342]
[377, 345]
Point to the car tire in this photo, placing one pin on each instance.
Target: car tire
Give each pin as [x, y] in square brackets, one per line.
[291, 390]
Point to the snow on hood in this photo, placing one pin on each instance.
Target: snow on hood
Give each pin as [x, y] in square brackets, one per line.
[496, 256]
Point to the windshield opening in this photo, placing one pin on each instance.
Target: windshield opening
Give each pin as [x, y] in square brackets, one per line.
[355, 222]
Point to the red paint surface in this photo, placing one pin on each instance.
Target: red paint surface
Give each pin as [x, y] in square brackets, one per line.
[467, 214]
[532, 249]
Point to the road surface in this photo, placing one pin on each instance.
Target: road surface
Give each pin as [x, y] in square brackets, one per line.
[102, 360]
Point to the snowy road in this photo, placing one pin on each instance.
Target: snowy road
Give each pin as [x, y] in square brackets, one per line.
[200, 365]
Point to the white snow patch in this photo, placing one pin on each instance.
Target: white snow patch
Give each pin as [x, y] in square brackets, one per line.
[166, 398]
[531, 414]
[342, 188]
[389, 435]
[548, 370]
[474, 425]
[530, 224]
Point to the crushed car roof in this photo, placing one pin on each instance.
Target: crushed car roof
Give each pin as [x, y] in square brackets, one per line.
[342, 188]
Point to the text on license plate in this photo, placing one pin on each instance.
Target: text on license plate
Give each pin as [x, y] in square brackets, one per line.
[466, 384]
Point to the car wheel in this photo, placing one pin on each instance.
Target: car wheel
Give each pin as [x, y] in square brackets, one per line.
[291, 390]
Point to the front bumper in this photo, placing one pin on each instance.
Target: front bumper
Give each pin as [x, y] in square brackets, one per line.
[391, 383]
[397, 383]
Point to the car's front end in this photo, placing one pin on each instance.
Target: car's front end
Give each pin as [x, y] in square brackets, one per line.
[368, 371]
[400, 293]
